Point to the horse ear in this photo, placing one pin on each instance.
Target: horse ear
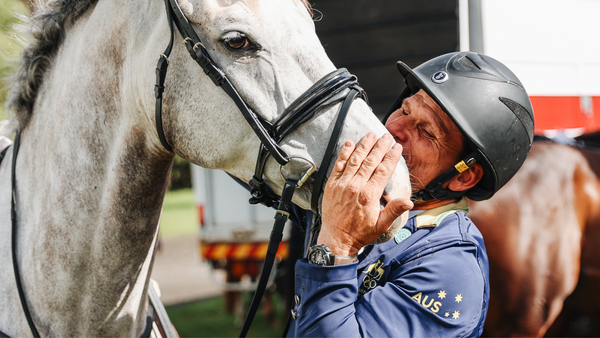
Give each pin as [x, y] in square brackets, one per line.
[467, 179]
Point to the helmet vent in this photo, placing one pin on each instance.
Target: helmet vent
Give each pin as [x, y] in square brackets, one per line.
[468, 63]
[521, 114]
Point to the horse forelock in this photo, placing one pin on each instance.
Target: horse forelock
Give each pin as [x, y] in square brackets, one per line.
[46, 29]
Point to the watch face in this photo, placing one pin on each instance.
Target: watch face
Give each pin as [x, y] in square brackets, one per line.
[320, 255]
[316, 257]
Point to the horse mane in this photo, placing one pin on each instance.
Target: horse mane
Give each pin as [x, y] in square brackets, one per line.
[46, 28]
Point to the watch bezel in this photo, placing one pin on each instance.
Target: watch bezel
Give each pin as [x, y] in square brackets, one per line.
[328, 258]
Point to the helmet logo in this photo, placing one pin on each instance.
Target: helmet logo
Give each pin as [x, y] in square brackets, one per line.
[439, 77]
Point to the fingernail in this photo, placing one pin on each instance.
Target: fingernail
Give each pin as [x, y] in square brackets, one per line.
[386, 136]
[370, 135]
[347, 144]
[396, 146]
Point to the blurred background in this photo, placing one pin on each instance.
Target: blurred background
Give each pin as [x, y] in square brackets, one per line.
[212, 242]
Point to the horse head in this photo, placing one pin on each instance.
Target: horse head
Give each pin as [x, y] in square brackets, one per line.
[271, 54]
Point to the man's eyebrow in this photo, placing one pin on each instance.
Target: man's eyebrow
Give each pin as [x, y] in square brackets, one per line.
[439, 122]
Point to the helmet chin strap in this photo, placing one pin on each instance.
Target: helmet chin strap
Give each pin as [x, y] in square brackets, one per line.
[435, 189]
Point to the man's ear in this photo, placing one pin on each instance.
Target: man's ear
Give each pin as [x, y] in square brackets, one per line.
[467, 179]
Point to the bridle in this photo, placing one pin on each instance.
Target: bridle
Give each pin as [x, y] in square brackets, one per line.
[338, 86]
[331, 89]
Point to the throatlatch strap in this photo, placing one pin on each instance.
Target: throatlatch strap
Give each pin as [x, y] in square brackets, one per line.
[161, 74]
[13, 217]
[281, 216]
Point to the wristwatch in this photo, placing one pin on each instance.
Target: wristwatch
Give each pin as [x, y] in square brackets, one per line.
[320, 254]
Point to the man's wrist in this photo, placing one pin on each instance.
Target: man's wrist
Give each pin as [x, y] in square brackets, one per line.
[337, 246]
[321, 254]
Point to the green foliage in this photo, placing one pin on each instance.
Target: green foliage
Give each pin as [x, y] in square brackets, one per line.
[9, 45]
[208, 318]
[179, 215]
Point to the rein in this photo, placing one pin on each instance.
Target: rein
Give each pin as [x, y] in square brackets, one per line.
[13, 218]
[336, 87]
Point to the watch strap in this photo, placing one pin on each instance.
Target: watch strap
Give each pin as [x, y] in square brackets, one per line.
[340, 260]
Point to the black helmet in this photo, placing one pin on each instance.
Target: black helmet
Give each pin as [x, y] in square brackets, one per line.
[489, 105]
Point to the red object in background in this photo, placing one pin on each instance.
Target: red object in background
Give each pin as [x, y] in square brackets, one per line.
[240, 251]
[200, 208]
[566, 112]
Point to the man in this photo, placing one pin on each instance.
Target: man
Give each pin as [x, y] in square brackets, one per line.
[464, 125]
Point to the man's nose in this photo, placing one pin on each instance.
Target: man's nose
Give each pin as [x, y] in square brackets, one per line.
[400, 130]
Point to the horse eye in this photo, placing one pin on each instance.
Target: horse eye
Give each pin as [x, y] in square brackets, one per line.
[237, 42]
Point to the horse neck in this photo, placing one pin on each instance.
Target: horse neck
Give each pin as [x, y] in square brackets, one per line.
[90, 185]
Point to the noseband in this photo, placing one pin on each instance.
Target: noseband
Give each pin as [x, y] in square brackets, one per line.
[338, 86]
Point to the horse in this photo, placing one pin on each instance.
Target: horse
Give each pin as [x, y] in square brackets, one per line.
[541, 233]
[91, 171]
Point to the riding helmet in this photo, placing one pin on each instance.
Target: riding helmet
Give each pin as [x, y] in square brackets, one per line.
[488, 103]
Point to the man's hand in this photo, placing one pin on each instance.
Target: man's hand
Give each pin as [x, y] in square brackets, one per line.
[352, 217]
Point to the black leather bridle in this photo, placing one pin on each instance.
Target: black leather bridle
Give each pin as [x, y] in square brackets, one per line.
[338, 86]
[333, 88]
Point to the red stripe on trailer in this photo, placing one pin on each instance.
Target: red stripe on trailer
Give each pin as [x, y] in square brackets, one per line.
[240, 251]
[566, 112]
[200, 209]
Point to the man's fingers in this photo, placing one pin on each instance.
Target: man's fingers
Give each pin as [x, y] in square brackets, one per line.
[394, 209]
[363, 148]
[385, 169]
[340, 162]
[375, 157]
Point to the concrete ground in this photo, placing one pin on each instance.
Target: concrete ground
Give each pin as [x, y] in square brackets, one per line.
[180, 273]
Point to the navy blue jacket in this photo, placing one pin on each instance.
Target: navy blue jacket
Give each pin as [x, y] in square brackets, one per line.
[431, 280]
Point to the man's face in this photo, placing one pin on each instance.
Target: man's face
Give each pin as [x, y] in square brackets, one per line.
[432, 143]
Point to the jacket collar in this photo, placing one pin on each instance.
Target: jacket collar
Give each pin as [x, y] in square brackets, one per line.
[433, 217]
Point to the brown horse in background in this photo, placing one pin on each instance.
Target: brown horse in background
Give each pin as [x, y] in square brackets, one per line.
[542, 234]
